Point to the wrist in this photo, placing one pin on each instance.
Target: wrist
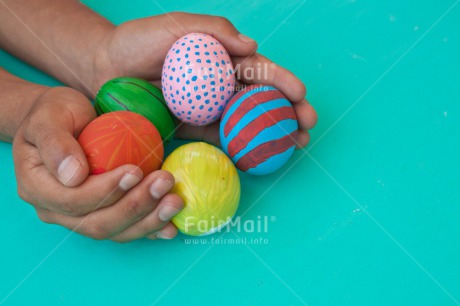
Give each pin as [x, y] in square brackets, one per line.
[69, 34]
[94, 65]
[103, 68]
[17, 101]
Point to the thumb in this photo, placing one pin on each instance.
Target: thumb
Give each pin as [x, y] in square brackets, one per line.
[221, 28]
[52, 130]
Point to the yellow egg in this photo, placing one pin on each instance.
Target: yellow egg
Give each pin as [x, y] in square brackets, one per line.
[208, 182]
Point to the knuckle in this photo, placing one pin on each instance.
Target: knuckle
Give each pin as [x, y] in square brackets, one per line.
[35, 121]
[223, 22]
[48, 140]
[257, 59]
[72, 209]
[74, 203]
[273, 76]
[96, 231]
[23, 194]
[67, 209]
[44, 217]
[135, 209]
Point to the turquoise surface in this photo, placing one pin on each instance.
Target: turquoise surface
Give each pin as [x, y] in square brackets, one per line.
[367, 215]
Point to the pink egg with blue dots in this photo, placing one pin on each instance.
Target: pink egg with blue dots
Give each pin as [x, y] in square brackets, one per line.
[198, 79]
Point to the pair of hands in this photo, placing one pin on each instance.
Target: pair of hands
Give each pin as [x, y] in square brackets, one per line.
[121, 205]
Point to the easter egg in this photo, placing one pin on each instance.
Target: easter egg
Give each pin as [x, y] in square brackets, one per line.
[258, 129]
[197, 79]
[139, 96]
[208, 183]
[118, 138]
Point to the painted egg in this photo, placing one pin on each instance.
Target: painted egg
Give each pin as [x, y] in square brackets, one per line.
[198, 79]
[258, 129]
[208, 182]
[119, 138]
[139, 96]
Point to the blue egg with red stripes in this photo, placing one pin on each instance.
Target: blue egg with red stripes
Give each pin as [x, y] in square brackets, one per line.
[258, 129]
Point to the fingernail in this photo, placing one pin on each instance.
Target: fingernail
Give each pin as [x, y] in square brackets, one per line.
[160, 235]
[167, 212]
[128, 181]
[244, 38]
[160, 187]
[67, 169]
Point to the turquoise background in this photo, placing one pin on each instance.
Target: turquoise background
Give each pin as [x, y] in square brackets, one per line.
[367, 215]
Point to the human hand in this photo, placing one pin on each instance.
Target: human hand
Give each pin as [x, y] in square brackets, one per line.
[138, 48]
[52, 175]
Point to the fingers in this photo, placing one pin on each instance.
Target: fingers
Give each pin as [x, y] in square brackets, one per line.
[134, 206]
[168, 207]
[302, 139]
[306, 118]
[52, 129]
[219, 27]
[257, 69]
[38, 186]
[169, 231]
[266, 72]
[306, 115]
[61, 154]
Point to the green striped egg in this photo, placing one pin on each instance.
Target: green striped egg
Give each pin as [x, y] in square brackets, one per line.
[139, 96]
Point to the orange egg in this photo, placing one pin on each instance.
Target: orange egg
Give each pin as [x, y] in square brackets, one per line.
[120, 138]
